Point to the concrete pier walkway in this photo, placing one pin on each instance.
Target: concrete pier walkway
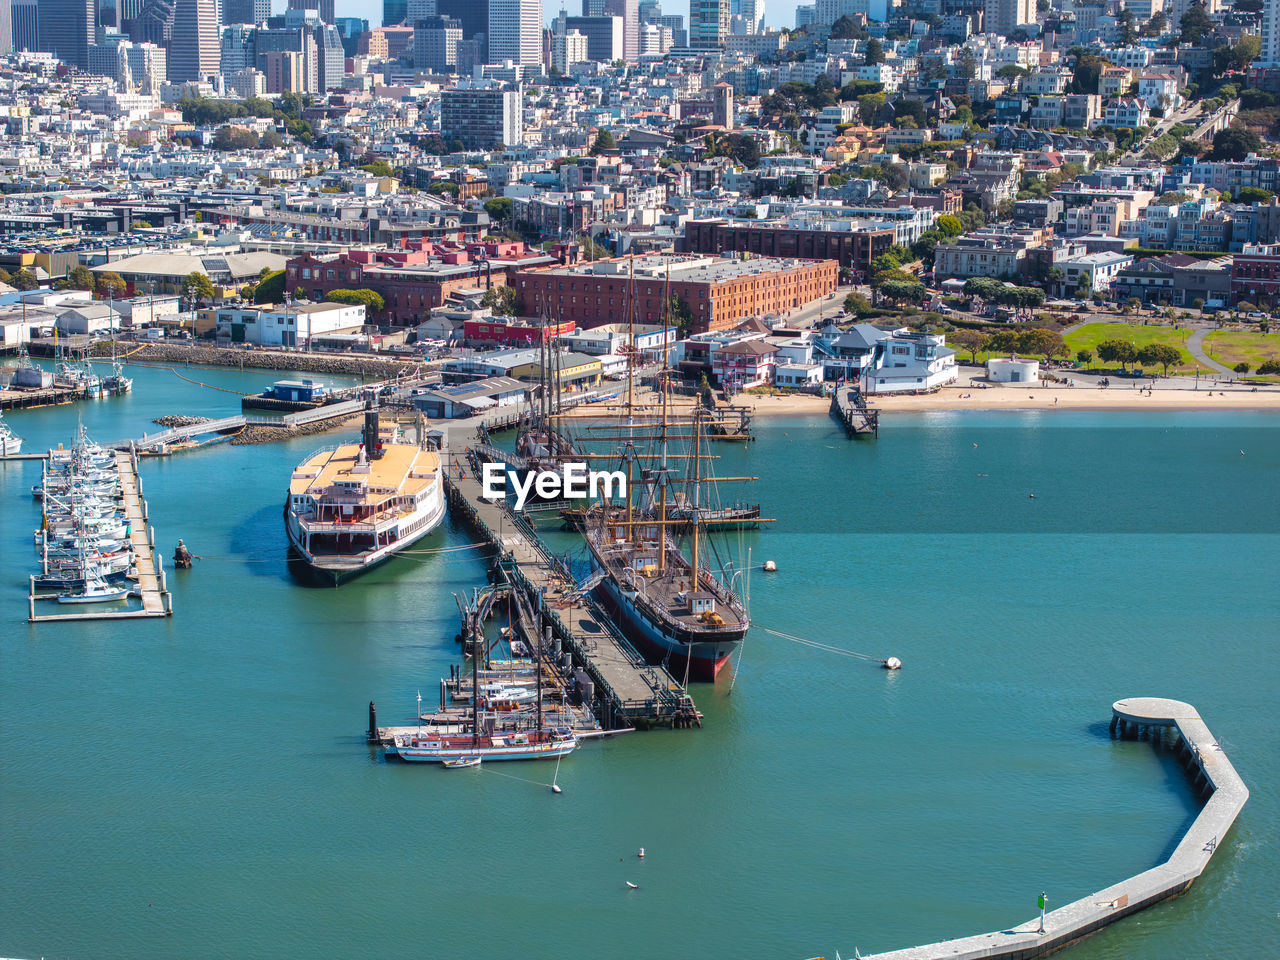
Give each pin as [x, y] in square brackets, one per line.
[1210, 772]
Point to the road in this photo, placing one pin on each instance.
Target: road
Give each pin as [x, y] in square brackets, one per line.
[1182, 115]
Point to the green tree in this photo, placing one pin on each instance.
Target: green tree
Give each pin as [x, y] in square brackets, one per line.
[949, 224]
[1269, 367]
[378, 168]
[198, 286]
[1234, 143]
[499, 209]
[1042, 343]
[874, 52]
[679, 315]
[604, 141]
[112, 284]
[970, 340]
[1253, 195]
[270, 140]
[900, 290]
[270, 288]
[24, 279]
[81, 278]
[1160, 353]
[501, 300]
[846, 29]
[1117, 351]
[1195, 24]
[371, 300]
[1241, 368]
[1084, 357]
[856, 304]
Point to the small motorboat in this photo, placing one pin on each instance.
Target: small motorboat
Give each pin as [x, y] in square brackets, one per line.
[95, 590]
[462, 762]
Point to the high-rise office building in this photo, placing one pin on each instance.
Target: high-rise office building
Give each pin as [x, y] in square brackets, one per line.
[25, 15]
[127, 11]
[629, 11]
[515, 31]
[708, 24]
[322, 7]
[6, 26]
[482, 118]
[1005, 16]
[604, 36]
[394, 12]
[568, 49]
[245, 11]
[435, 44]
[473, 15]
[239, 47]
[66, 27]
[350, 29]
[752, 11]
[420, 10]
[196, 43]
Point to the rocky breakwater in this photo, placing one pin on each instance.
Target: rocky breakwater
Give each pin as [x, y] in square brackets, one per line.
[340, 365]
[270, 433]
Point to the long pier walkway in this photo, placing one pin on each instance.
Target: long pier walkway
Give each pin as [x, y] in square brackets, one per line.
[1211, 774]
[628, 691]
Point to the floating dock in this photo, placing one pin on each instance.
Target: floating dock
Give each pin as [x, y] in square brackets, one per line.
[148, 568]
[627, 691]
[850, 407]
[1169, 723]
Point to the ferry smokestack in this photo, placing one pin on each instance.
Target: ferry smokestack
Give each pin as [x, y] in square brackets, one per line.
[372, 443]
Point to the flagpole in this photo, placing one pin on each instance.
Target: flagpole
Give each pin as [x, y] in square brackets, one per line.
[419, 712]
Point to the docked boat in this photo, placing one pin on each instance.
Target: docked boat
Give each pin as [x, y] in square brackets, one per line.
[462, 762]
[117, 384]
[10, 442]
[529, 745]
[354, 506]
[95, 590]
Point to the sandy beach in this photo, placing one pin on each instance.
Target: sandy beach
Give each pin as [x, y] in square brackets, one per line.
[1164, 396]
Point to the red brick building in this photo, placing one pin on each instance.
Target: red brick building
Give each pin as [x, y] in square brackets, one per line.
[853, 250]
[510, 333]
[1255, 274]
[719, 292]
[410, 280]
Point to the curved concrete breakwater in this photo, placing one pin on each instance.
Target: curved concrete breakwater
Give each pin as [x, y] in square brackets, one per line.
[1212, 775]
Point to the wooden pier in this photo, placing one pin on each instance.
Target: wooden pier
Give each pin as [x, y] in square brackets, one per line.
[850, 407]
[148, 568]
[626, 692]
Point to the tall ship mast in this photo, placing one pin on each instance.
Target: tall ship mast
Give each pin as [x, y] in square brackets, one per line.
[353, 506]
[671, 607]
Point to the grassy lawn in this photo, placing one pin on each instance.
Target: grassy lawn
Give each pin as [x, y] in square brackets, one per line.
[1091, 334]
[1229, 347]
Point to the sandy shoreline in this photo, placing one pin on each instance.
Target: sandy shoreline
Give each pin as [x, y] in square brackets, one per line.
[1034, 398]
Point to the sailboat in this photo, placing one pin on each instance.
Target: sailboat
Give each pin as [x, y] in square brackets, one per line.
[671, 607]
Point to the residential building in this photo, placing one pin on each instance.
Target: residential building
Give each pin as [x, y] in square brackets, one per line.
[1255, 274]
[1269, 54]
[980, 256]
[851, 244]
[708, 24]
[1005, 16]
[481, 117]
[1090, 272]
[567, 49]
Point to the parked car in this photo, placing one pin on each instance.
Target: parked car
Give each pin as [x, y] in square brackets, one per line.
[1257, 315]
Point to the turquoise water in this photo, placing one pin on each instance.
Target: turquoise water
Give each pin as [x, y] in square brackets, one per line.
[200, 787]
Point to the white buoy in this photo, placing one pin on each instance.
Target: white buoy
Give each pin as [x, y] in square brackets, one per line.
[893, 663]
[555, 788]
[770, 566]
[641, 853]
[633, 886]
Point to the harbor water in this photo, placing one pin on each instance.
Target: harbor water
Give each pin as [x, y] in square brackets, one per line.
[200, 786]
